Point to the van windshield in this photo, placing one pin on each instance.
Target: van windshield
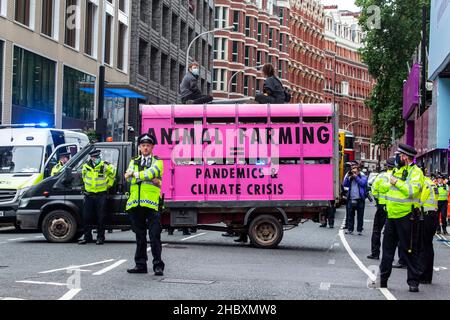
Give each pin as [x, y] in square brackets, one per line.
[18, 159]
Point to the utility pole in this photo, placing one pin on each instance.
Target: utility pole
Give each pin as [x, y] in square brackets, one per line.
[100, 122]
[423, 82]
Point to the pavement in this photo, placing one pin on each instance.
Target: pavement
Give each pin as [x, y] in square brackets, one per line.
[311, 263]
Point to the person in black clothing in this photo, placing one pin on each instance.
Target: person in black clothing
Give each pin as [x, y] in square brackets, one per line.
[189, 90]
[273, 91]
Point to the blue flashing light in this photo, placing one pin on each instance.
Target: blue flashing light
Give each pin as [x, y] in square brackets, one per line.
[43, 124]
[36, 125]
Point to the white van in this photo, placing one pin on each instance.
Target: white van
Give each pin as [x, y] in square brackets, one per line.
[27, 155]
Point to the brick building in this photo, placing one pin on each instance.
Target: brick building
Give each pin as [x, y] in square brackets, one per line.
[260, 35]
[306, 50]
[161, 31]
[347, 80]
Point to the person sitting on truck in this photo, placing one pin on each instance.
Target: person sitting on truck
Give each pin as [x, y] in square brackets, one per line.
[189, 90]
[357, 184]
[98, 176]
[273, 91]
[64, 157]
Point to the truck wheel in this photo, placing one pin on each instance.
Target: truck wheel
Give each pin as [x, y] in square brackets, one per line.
[265, 231]
[59, 226]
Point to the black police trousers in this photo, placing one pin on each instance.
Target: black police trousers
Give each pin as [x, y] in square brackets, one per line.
[141, 219]
[426, 255]
[378, 225]
[401, 232]
[94, 214]
[442, 213]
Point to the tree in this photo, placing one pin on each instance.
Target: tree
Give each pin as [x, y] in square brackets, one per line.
[387, 50]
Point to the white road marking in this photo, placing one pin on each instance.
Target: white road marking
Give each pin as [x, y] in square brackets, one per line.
[325, 286]
[16, 239]
[10, 298]
[194, 236]
[76, 267]
[332, 261]
[39, 237]
[437, 269]
[443, 238]
[70, 294]
[105, 270]
[46, 283]
[372, 277]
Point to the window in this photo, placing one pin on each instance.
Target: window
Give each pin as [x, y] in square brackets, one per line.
[156, 14]
[246, 85]
[108, 35]
[221, 17]
[48, 9]
[247, 26]
[236, 19]
[122, 50]
[77, 104]
[22, 11]
[143, 58]
[33, 94]
[235, 51]
[123, 6]
[270, 37]
[220, 48]
[219, 80]
[144, 8]
[247, 56]
[90, 39]
[71, 23]
[260, 27]
[234, 81]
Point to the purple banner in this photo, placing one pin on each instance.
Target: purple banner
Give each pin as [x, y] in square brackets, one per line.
[411, 91]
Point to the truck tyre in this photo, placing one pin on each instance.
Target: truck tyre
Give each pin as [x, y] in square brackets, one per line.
[59, 226]
[265, 231]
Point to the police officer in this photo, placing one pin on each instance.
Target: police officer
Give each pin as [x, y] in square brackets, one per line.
[380, 215]
[429, 223]
[403, 193]
[63, 159]
[442, 204]
[145, 173]
[98, 177]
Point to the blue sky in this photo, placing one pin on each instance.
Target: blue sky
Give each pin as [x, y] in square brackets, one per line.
[343, 4]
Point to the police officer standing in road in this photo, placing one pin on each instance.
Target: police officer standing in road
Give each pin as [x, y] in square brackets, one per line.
[63, 159]
[429, 223]
[402, 199]
[98, 176]
[380, 216]
[442, 204]
[145, 173]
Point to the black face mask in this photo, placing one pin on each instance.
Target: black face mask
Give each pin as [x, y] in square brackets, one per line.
[399, 162]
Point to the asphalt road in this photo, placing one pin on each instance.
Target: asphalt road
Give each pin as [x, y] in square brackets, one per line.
[310, 263]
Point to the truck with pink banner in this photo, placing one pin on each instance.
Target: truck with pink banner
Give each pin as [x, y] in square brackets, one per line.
[254, 169]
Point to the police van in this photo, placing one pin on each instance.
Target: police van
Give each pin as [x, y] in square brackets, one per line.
[28, 152]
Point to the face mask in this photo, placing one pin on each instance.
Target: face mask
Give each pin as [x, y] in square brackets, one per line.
[195, 72]
[97, 161]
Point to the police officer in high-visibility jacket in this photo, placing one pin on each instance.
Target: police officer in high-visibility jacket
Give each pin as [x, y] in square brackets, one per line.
[442, 203]
[402, 199]
[145, 173]
[64, 157]
[429, 202]
[98, 176]
[380, 215]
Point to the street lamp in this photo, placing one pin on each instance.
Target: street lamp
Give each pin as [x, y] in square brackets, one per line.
[236, 73]
[351, 123]
[200, 35]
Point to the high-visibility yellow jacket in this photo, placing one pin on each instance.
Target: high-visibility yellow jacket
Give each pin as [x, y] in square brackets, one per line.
[429, 196]
[98, 178]
[404, 196]
[57, 168]
[377, 193]
[144, 192]
[443, 192]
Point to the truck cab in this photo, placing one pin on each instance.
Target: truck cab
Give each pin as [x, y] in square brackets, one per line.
[27, 155]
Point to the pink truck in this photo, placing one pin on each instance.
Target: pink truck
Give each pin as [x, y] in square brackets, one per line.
[252, 169]
[258, 169]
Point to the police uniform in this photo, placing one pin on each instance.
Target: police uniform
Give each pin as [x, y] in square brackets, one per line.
[429, 223]
[402, 200]
[143, 208]
[443, 190]
[97, 178]
[380, 216]
[57, 168]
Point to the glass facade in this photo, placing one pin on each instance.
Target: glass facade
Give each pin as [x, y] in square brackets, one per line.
[78, 106]
[33, 96]
[114, 112]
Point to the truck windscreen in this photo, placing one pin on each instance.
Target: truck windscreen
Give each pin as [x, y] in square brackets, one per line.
[20, 159]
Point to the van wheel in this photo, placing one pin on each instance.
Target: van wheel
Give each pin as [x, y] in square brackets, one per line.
[265, 231]
[59, 226]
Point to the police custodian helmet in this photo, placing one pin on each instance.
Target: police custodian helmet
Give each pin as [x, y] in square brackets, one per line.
[146, 138]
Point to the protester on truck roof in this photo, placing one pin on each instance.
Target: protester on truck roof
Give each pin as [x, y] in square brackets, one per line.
[189, 89]
[273, 91]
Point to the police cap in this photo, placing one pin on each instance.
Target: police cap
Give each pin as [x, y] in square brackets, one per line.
[95, 153]
[147, 138]
[407, 150]
[390, 162]
[65, 154]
